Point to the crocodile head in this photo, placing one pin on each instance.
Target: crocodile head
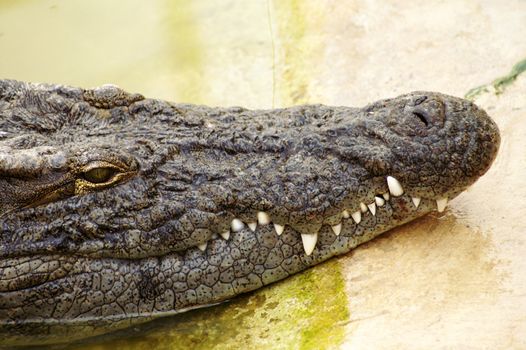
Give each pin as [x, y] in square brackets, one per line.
[117, 209]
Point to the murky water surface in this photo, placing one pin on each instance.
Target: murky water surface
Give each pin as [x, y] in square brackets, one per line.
[215, 52]
[451, 281]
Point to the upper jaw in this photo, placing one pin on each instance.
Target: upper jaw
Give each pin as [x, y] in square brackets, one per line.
[350, 209]
[350, 212]
[354, 215]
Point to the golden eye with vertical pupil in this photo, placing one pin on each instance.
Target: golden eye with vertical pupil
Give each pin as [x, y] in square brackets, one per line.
[99, 175]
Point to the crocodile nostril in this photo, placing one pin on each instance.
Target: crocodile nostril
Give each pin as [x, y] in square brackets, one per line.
[430, 110]
[424, 118]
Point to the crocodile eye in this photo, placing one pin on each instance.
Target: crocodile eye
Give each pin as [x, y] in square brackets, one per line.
[99, 175]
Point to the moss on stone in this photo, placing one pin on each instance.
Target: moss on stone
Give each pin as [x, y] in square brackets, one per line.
[498, 85]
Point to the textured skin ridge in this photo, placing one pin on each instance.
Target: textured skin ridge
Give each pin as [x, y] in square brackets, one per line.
[92, 257]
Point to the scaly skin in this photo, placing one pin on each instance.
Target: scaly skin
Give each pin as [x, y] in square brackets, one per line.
[106, 196]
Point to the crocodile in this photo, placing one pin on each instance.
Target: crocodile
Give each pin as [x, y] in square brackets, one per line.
[117, 209]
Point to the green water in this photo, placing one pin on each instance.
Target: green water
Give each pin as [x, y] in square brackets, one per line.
[248, 53]
[174, 49]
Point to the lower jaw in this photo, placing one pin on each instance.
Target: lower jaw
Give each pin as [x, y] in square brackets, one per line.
[175, 283]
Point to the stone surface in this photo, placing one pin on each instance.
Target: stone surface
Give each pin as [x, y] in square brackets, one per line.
[456, 280]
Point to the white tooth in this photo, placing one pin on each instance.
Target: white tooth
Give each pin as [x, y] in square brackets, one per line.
[416, 201]
[225, 235]
[279, 229]
[263, 218]
[379, 201]
[357, 216]
[386, 196]
[253, 225]
[237, 225]
[346, 214]
[394, 186]
[309, 242]
[202, 246]
[441, 204]
[337, 229]
[363, 207]
[372, 208]
[214, 236]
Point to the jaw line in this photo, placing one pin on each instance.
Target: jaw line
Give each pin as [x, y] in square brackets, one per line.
[309, 239]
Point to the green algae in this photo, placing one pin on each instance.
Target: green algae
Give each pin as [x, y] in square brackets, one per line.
[500, 84]
[306, 311]
[296, 40]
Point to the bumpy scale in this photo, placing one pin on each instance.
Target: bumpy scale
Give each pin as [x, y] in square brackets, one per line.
[115, 209]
